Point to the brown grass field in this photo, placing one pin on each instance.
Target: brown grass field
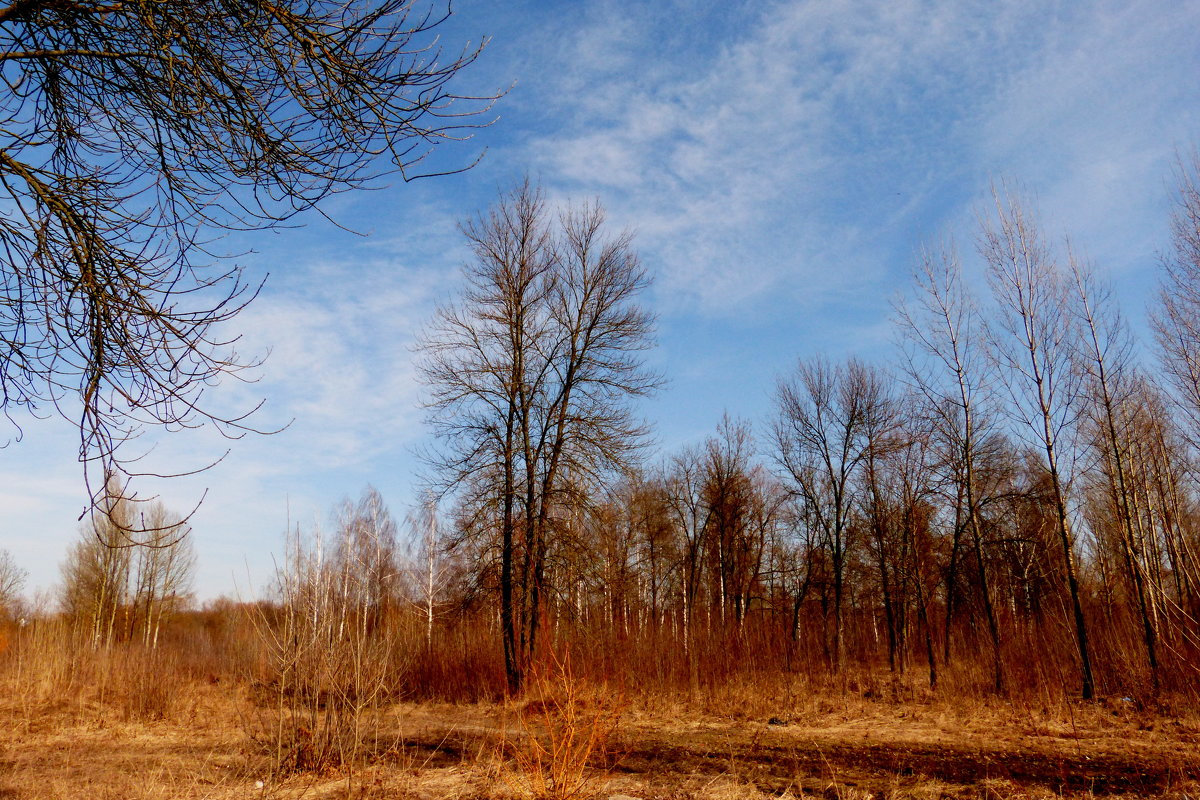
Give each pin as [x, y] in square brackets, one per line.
[143, 726]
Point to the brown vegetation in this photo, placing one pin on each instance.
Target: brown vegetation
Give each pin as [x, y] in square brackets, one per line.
[194, 718]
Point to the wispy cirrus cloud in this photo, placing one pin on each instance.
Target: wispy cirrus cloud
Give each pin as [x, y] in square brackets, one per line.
[732, 169]
[1093, 122]
[339, 388]
[792, 159]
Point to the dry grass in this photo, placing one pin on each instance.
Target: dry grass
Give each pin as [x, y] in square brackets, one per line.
[182, 722]
[84, 749]
[671, 751]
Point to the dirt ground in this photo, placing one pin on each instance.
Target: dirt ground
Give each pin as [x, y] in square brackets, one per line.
[843, 748]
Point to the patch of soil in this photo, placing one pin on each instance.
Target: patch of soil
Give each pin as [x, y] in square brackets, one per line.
[878, 766]
[876, 759]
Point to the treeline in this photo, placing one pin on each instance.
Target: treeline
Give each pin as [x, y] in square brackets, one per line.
[1007, 503]
[1012, 497]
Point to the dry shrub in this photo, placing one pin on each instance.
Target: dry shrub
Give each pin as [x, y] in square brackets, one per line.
[567, 727]
[463, 665]
[336, 650]
[314, 713]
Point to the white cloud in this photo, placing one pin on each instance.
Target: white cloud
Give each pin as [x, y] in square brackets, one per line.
[746, 168]
[1091, 124]
[721, 160]
[340, 369]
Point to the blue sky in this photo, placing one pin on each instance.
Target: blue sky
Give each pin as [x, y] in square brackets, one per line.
[779, 164]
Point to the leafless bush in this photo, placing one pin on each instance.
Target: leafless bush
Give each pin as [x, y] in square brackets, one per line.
[566, 733]
[335, 651]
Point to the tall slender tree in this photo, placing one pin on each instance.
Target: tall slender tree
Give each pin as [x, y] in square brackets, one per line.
[1035, 338]
[1107, 360]
[821, 440]
[1176, 316]
[942, 331]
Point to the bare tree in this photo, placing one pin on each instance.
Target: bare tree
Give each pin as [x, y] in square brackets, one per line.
[482, 368]
[12, 579]
[1167, 510]
[164, 563]
[684, 483]
[1176, 323]
[427, 565]
[882, 440]
[821, 439]
[759, 571]
[610, 558]
[914, 487]
[945, 356]
[96, 574]
[134, 135]
[1176, 317]
[657, 545]
[1108, 363]
[366, 557]
[1036, 339]
[116, 590]
[727, 494]
[530, 377]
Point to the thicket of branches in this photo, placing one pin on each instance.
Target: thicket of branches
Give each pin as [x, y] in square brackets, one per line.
[134, 136]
